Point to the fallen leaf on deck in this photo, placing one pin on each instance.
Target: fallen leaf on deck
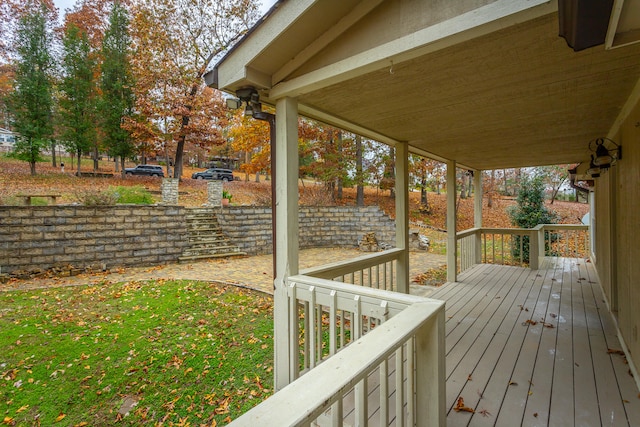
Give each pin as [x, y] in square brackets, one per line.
[460, 406]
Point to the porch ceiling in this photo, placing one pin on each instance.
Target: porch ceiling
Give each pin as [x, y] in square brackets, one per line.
[515, 97]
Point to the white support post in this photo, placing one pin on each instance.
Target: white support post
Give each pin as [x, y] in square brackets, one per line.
[286, 196]
[452, 255]
[430, 373]
[477, 214]
[402, 216]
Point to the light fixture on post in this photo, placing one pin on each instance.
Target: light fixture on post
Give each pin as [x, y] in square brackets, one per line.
[253, 108]
[594, 170]
[606, 152]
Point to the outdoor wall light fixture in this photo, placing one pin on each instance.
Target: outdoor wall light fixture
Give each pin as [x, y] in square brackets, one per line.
[606, 152]
[594, 170]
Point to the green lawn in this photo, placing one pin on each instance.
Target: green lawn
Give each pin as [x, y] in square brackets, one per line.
[177, 352]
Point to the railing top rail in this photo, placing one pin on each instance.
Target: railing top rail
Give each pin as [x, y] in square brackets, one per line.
[356, 290]
[565, 227]
[522, 231]
[468, 232]
[329, 271]
[305, 399]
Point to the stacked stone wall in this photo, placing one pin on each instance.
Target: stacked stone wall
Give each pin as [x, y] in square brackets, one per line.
[341, 226]
[43, 237]
[125, 235]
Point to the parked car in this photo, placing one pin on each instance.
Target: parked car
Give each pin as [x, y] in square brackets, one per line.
[214, 173]
[146, 170]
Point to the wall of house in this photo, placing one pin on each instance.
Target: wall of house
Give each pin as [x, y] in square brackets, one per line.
[250, 227]
[618, 233]
[54, 236]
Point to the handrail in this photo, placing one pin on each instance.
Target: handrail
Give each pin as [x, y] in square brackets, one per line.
[304, 400]
[378, 270]
[340, 268]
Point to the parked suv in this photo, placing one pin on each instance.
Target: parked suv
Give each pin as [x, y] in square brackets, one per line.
[214, 173]
[146, 170]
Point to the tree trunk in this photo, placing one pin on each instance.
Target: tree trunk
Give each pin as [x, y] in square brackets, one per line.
[95, 157]
[122, 166]
[359, 177]
[491, 188]
[463, 186]
[257, 176]
[79, 154]
[54, 162]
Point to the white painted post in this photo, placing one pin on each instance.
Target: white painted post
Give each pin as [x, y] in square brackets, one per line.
[286, 197]
[430, 373]
[402, 216]
[477, 214]
[452, 256]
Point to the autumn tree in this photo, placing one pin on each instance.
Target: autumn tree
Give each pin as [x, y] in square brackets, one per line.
[251, 137]
[30, 103]
[180, 39]
[554, 177]
[116, 84]
[77, 101]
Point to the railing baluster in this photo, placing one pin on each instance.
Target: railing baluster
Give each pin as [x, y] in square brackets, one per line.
[393, 282]
[336, 413]
[309, 335]
[399, 386]
[319, 333]
[384, 392]
[362, 410]
[333, 320]
[294, 331]
[411, 387]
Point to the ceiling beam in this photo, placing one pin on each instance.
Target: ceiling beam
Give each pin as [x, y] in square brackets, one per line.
[470, 25]
[627, 108]
[344, 124]
[360, 11]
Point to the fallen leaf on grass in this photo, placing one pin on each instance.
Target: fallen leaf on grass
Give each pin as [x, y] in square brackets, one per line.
[461, 408]
[60, 417]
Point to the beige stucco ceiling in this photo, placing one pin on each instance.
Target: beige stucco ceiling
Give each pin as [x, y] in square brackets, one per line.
[510, 97]
[517, 97]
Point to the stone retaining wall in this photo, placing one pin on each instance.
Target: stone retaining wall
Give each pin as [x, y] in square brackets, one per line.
[52, 236]
[343, 226]
[42, 237]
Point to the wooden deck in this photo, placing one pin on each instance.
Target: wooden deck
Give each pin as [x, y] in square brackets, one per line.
[535, 348]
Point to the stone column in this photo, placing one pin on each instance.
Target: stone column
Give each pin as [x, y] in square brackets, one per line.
[169, 189]
[214, 194]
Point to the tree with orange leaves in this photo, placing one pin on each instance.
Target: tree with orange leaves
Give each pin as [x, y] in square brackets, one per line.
[251, 137]
[175, 41]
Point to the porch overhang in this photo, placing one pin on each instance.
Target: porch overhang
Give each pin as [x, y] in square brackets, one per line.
[489, 84]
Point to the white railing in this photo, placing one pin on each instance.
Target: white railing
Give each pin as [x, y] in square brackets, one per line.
[521, 246]
[377, 270]
[351, 347]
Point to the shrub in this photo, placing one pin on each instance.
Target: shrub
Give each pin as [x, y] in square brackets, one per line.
[136, 195]
[95, 198]
[529, 212]
[226, 195]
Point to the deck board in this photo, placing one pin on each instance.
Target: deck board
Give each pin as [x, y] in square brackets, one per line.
[517, 373]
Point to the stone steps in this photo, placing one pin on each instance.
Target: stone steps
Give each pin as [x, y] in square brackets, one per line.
[205, 237]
